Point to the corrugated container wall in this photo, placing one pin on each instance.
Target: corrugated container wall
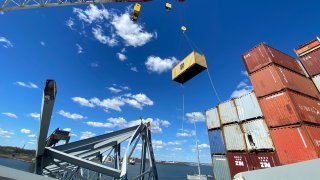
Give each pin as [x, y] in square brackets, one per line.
[304, 69]
[220, 166]
[257, 135]
[228, 112]
[212, 118]
[248, 107]
[238, 162]
[233, 137]
[264, 160]
[311, 62]
[288, 107]
[292, 144]
[216, 142]
[316, 81]
[275, 78]
[314, 133]
[263, 55]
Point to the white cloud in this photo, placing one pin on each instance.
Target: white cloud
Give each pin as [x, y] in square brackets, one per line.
[5, 42]
[134, 69]
[114, 90]
[115, 103]
[87, 134]
[92, 14]
[80, 49]
[125, 87]
[67, 129]
[123, 50]
[30, 142]
[245, 73]
[183, 134]
[158, 144]
[176, 149]
[165, 123]
[70, 116]
[242, 88]
[200, 147]
[25, 131]
[120, 122]
[121, 56]
[176, 142]
[132, 33]
[70, 23]
[98, 34]
[73, 134]
[158, 65]
[5, 134]
[186, 133]
[43, 43]
[27, 85]
[2, 13]
[82, 101]
[100, 124]
[35, 115]
[32, 136]
[94, 64]
[10, 115]
[195, 117]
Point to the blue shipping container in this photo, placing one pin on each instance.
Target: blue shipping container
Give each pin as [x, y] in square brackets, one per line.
[216, 142]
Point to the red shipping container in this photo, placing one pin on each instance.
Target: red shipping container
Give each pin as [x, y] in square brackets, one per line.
[262, 55]
[292, 144]
[307, 47]
[311, 62]
[238, 162]
[262, 160]
[274, 78]
[288, 107]
[314, 133]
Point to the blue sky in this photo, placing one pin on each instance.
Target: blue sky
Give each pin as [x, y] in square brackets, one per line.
[110, 71]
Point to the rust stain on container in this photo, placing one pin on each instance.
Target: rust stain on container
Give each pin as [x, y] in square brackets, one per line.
[292, 144]
[238, 162]
[262, 55]
[311, 61]
[274, 78]
[288, 107]
[264, 160]
[314, 133]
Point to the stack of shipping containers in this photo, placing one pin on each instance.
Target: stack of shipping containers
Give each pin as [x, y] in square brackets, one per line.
[276, 124]
[289, 102]
[239, 138]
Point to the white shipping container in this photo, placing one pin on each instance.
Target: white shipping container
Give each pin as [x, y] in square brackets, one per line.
[228, 112]
[233, 138]
[212, 118]
[220, 167]
[316, 81]
[248, 107]
[257, 135]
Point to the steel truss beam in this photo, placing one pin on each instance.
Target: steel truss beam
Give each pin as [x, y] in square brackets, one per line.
[10, 5]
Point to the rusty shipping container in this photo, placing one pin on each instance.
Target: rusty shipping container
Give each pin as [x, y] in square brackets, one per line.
[314, 134]
[262, 160]
[307, 47]
[288, 107]
[274, 78]
[233, 137]
[257, 135]
[293, 144]
[311, 62]
[238, 162]
[228, 112]
[262, 55]
[212, 118]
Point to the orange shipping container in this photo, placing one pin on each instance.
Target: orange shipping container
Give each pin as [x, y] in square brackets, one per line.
[288, 107]
[262, 55]
[292, 144]
[274, 78]
[314, 133]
